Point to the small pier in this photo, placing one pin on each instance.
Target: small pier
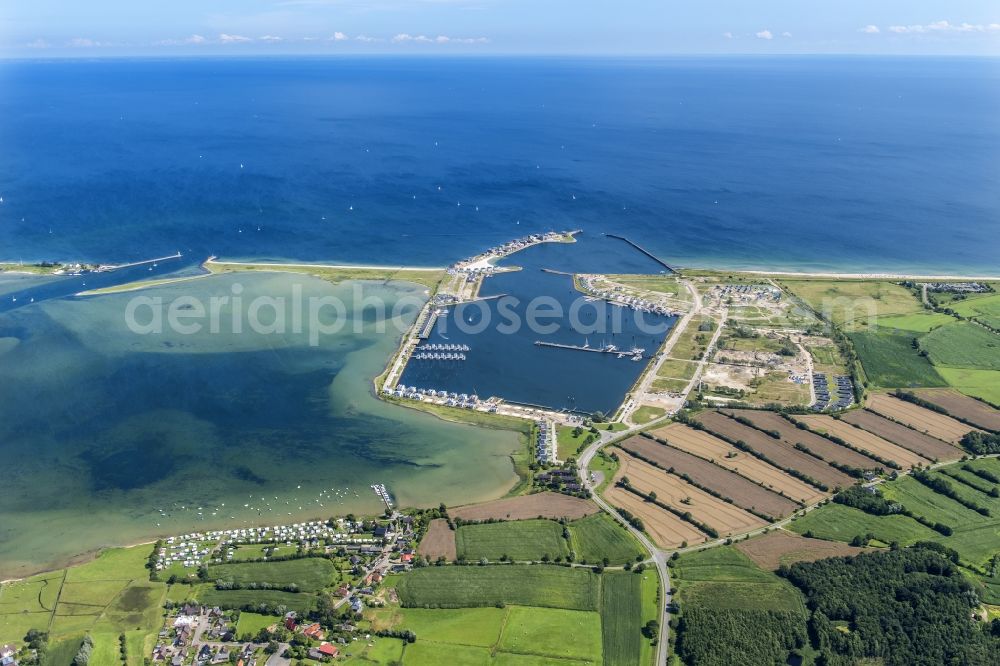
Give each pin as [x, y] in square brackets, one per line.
[383, 494]
[644, 251]
[635, 354]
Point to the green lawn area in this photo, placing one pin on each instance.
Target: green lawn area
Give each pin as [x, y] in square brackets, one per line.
[963, 345]
[551, 632]
[647, 413]
[252, 623]
[603, 463]
[568, 443]
[622, 618]
[478, 627]
[232, 599]
[984, 384]
[308, 573]
[113, 564]
[725, 578]
[527, 585]
[13, 626]
[923, 501]
[518, 539]
[92, 593]
[599, 536]
[854, 301]
[984, 308]
[837, 522]
[916, 323]
[32, 595]
[106, 648]
[891, 361]
[377, 651]
[426, 653]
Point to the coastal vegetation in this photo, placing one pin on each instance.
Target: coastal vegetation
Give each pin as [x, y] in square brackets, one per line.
[429, 277]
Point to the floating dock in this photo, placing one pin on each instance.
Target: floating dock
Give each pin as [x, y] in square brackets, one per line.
[635, 354]
[428, 327]
[644, 251]
[383, 494]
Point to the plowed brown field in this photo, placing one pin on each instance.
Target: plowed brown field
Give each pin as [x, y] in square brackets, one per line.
[963, 407]
[743, 492]
[666, 529]
[925, 445]
[546, 505]
[821, 446]
[779, 547]
[725, 518]
[725, 455]
[934, 424]
[439, 541]
[863, 440]
[780, 452]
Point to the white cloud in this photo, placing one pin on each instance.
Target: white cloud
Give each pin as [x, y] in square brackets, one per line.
[944, 27]
[765, 34]
[37, 44]
[870, 30]
[727, 35]
[195, 39]
[786, 34]
[270, 38]
[339, 37]
[84, 43]
[233, 39]
[367, 39]
[440, 39]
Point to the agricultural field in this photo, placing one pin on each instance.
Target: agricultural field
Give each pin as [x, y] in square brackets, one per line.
[544, 505]
[743, 492]
[600, 536]
[963, 345]
[981, 308]
[520, 540]
[626, 599]
[723, 454]
[780, 453]
[983, 384]
[934, 424]
[309, 574]
[918, 442]
[547, 586]
[792, 435]
[664, 528]
[837, 522]
[963, 407]
[671, 490]
[854, 303]
[439, 541]
[107, 596]
[922, 322]
[891, 361]
[300, 602]
[863, 440]
[771, 550]
[251, 623]
[725, 578]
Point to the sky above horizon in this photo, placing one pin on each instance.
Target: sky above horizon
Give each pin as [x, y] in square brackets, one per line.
[48, 28]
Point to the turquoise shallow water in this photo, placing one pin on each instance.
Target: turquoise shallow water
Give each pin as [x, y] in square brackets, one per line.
[110, 437]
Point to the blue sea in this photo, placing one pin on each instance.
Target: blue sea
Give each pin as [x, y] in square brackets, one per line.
[798, 163]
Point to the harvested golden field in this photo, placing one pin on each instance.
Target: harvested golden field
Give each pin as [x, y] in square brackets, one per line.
[743, 492]
[927, 446]
[934, 424]
[864, 440]
[963, 407]
[781, 453]
[780, 547]
[438, 542]
[666, 529]
[821, 446]
[713, 449]
[546, 505]
[725, 518]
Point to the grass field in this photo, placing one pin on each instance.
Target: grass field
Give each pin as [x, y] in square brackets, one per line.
[335, 274]
[478, 627]
[551, 632]
[251, 623]
[923, 501]
[921, 322]
[230, 599]
[599, 536]
[621, 618]
[854, 302]
[526, 585]
[983, 308]
[376, 651]
[963, 345]
[521, 540]
[647, 413]
[568, 444]
[725, 578]
[309, 573]
[984, 384]
[891, 361]
[842, 523]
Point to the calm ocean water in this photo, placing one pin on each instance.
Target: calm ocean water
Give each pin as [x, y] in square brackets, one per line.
[818, 163]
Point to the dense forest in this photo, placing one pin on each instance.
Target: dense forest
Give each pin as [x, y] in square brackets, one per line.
[744, 636]
[910, 606]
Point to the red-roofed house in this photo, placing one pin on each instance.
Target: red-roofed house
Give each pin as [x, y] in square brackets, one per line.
[314, 631]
